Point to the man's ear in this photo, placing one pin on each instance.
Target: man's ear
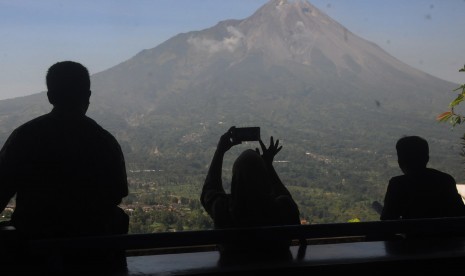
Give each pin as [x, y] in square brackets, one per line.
[51, 98]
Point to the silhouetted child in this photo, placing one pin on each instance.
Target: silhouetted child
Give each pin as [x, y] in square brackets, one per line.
[257, 198]
[420, 192]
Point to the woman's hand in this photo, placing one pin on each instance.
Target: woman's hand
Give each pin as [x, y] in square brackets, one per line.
[226, 141]
[269, 153]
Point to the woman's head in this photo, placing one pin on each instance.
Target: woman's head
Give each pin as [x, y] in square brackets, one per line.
[250, 187]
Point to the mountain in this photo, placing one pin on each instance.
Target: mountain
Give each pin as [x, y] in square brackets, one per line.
[336, 101]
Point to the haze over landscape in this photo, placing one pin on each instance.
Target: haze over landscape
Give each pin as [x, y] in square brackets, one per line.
[337, 101]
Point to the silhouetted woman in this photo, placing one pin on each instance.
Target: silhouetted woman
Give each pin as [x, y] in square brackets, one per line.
[257, 198]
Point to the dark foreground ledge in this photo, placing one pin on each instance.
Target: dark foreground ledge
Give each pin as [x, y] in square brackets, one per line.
[373, 230]
[364, 247]
[428, 257]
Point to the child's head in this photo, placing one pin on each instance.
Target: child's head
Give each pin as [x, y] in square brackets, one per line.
[412, 153]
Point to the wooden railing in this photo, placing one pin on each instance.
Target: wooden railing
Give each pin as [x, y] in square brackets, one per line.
[373, 230]
[386, 249]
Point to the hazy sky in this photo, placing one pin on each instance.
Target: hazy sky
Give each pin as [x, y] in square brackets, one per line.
[34, 34]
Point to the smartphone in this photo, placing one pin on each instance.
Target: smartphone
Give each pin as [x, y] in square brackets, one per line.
[241, 134]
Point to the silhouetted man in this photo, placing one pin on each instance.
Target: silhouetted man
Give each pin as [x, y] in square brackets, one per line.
[421, 192]
[67, 172]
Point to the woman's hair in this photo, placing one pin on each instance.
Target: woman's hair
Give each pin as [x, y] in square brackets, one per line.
[250, 190]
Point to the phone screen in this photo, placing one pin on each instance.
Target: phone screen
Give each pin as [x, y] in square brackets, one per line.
[246, 134]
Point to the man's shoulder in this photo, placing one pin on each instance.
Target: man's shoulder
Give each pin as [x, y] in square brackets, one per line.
[398, 183]
[398, 179]
[104, 133]
[435, 174]
[438, 173]
[32, 125]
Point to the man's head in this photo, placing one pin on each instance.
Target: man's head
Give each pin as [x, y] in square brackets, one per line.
[68, 85]
[412, 153]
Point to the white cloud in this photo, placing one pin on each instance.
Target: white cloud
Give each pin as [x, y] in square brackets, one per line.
[212, 46]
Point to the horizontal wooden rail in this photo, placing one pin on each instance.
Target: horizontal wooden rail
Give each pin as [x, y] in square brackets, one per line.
[374, 229]
[153, 252]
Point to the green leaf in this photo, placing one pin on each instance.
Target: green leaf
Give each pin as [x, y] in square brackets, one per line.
[456, 120]
[453, 118]
[457, 100]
